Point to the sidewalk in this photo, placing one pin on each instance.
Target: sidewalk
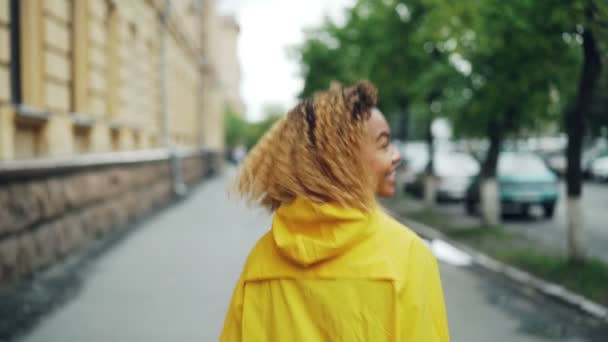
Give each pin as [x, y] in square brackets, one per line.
[171, 280]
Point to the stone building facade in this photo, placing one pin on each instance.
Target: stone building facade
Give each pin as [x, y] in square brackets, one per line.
[109, 110]
[222, 70]
[87, 76]
[228, 66]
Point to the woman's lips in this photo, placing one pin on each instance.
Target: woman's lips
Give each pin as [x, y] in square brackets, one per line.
[391, 176]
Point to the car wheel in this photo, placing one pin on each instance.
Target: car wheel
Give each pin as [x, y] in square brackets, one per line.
[549, 210]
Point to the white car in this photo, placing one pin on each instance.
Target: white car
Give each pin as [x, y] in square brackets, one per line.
[599, 168]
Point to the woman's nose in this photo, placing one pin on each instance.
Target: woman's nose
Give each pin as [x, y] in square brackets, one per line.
[396, 156]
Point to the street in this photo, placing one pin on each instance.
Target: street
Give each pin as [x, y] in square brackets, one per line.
[171, 280]
[552, 232]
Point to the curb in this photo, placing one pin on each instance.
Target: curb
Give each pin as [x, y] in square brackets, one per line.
[549, 289]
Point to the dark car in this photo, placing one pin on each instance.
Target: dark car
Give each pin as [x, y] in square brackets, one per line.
[524, 181]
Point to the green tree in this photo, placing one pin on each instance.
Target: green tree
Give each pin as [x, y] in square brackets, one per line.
[589, 17]
[236, 129]
[495, 68]
[525, 56]
[521, 72]
[239, 131]
[388, 43]
[379, 41]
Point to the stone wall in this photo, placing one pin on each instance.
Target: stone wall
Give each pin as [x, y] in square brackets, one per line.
[47, 214]
[193, 169]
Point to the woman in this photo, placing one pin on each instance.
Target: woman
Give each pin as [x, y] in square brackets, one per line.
[334, 266]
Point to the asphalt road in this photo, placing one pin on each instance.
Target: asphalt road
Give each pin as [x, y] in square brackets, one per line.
[171, 280]
[552, 232]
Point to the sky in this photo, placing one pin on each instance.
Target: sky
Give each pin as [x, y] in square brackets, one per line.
[268, 29]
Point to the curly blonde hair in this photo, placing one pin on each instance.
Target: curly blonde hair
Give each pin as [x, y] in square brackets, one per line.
[314, 152]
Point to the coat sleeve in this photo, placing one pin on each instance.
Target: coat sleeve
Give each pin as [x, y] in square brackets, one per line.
[231, 332]
[422, 308]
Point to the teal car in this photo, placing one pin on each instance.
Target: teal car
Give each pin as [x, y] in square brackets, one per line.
[524, 181]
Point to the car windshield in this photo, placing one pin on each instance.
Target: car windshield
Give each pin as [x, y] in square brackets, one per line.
[510, 163]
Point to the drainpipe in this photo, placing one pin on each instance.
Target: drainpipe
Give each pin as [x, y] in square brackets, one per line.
[179, 188]
[15, 34]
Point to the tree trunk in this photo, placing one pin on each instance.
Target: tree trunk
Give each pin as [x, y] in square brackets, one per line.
[489, 188]
[403, 125]
[576, 245]
[404, 120]
[430, 188]
[575, 126]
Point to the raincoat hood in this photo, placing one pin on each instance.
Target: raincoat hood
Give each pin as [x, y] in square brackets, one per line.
[306, 232]
[330, 273]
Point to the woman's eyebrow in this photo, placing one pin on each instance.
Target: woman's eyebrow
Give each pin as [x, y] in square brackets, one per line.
[384, 134]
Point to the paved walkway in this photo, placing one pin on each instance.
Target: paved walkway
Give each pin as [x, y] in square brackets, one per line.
[171, 280]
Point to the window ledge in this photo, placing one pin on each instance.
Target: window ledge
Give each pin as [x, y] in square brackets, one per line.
[31, 112]
[82, 120]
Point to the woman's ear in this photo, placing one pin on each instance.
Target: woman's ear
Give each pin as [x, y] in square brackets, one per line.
[360, 99]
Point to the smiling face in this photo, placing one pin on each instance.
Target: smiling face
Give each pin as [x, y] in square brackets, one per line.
[380, 154]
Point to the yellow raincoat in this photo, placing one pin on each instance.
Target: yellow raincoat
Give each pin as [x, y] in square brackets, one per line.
[328, 273]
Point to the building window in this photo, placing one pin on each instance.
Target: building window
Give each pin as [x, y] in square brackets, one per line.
[115, 139]
[28, 139]
[82, 139]
[112, 63]
[133, 31]
[136, 140]
[196, 6]
[11, 56]
[153, 141]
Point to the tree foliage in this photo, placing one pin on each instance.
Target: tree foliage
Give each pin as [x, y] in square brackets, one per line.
[511, 63]
[495, 68]
[385, 42]
[238, 130]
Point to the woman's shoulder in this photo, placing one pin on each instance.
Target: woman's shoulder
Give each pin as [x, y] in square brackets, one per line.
[263, 247]
[396, 231]
[402, 242]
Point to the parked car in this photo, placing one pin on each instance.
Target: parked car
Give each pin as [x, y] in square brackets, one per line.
[599, 169]
[590, 156]
[414, 156]
[556, 161]
[454, 172]
[524, 181]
